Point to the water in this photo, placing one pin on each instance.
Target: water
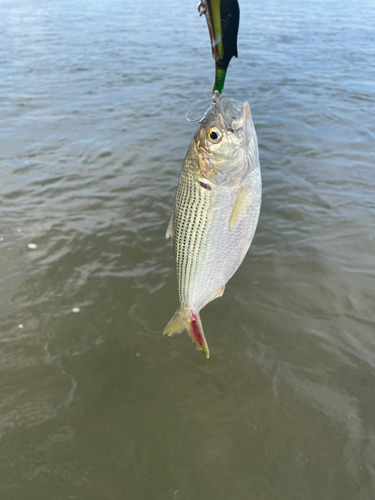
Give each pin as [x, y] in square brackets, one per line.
[95, 404]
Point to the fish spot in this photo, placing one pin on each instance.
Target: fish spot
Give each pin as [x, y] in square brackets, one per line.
[204, 185]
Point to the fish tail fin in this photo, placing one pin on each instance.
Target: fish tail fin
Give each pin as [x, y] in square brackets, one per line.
[192, 324]
[176, 325]
[197, 334]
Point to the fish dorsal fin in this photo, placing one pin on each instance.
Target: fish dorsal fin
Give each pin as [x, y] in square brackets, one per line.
[239, 207]
[169, 231]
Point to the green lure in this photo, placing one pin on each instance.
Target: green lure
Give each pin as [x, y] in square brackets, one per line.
[223, 18]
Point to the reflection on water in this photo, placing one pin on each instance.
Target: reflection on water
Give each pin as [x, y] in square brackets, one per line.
[95, 403]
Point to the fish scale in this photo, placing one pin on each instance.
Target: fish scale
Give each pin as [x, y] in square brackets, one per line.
[188, 224]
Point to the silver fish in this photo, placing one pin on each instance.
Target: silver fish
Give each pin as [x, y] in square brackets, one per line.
[215, 212]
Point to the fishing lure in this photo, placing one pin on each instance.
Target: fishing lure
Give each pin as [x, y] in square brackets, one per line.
[223, 18]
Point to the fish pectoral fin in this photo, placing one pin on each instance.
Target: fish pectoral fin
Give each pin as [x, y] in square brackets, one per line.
[169, 231]
[240, 206]
[176, 325]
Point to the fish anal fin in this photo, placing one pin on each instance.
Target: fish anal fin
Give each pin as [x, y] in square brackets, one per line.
[240, 207]
[218, 293]
[169, 231]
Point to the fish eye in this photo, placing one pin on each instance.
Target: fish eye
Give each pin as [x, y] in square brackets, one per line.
[213, 135]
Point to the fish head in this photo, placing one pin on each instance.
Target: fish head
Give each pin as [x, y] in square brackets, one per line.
[223, 140]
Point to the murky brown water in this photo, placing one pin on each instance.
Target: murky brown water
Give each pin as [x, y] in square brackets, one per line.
[96, 404]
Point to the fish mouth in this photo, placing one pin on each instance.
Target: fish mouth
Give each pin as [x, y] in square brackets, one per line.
[235, 116]
[234, 113]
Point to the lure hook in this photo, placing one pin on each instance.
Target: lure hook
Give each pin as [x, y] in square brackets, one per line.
[200, 120]
[202, 8]
[215, 98]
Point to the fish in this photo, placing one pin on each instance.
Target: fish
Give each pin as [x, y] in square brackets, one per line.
[215, 212]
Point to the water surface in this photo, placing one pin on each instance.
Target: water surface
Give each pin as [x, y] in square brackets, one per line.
[96, 404]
